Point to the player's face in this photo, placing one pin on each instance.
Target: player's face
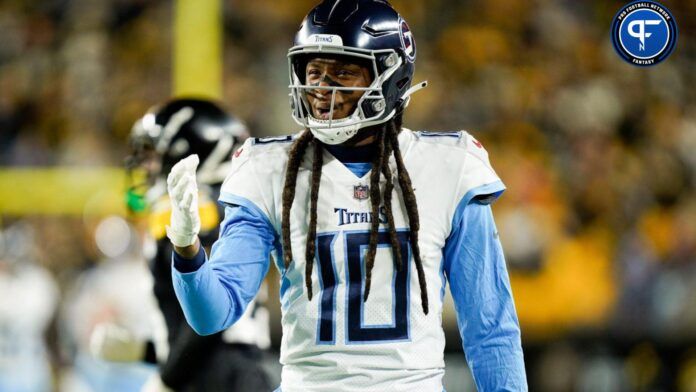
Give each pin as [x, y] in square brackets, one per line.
[147, 160]
[335, 73]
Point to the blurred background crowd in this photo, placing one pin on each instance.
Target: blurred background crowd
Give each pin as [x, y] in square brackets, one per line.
[599, 157]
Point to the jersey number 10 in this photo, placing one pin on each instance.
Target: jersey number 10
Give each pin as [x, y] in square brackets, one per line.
[356, 244]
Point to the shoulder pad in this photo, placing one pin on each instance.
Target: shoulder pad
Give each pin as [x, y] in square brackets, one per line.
[458, 139]
[273, 139]
[475, 148]
[477, 178]
[273, 143]
[429, 134]
[256, 146]
[461, 139]
[481, 178]
[451, 138]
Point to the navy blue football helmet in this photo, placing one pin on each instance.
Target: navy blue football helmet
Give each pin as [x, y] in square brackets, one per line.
[372, 33]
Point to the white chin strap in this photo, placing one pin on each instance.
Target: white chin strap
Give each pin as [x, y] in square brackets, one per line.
[341, 130]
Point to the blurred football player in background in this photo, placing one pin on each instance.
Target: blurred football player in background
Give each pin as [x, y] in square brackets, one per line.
[231, 359]
[368, 317]
[110, 310]
[28, 300]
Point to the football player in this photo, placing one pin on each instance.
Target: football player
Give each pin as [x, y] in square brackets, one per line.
[28, 300]
[366, 221]
[230, 359]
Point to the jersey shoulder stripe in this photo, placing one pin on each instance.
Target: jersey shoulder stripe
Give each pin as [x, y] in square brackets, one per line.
[449, 138]
[452, 134]
[460, 140]
[270, 152]
[257, 173]
[273, 139]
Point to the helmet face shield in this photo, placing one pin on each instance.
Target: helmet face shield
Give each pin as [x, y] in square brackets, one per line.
[370, 109]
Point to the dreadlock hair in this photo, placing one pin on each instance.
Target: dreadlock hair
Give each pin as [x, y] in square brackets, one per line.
[387, 144]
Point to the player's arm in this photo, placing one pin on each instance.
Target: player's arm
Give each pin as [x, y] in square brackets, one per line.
[214, 293]
[488, 325]
[189, 252]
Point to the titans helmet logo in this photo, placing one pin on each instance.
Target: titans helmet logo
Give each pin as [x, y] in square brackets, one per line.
[407, 41]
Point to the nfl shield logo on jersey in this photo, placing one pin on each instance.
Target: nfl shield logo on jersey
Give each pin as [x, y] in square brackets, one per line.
[361, 192]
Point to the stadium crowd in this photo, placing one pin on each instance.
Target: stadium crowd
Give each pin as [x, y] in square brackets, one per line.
[598, 222]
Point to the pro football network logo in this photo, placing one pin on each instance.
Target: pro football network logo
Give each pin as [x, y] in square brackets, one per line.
[644, 33]
[407, 41]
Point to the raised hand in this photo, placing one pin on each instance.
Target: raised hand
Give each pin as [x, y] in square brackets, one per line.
[183, 192]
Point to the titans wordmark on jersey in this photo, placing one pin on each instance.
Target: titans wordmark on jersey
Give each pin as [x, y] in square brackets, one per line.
[335, 341]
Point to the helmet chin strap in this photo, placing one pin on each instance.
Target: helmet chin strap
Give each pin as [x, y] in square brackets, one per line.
[362, 134]
[334, 136]
[406, 98]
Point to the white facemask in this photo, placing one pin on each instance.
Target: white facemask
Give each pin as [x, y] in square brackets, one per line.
[337, 131]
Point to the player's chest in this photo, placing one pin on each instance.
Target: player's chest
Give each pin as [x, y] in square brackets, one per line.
[344, 204]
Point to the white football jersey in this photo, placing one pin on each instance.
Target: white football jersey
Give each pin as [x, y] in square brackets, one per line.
[28, 299]
[337, 342]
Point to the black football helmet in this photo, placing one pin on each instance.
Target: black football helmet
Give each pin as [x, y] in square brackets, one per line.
[372, 33]
[173, 131]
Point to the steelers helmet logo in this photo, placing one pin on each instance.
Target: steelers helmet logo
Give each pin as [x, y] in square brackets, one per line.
[407, 41]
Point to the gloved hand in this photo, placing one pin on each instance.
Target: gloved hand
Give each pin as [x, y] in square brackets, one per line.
[155, 384]
[183, 193]
[111, 342]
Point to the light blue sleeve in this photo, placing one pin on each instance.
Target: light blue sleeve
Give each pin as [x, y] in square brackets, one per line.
[214, 293]
[475, 268]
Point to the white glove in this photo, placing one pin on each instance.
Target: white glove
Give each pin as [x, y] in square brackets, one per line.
[111, 342]
[155, 384]
[183, 193]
